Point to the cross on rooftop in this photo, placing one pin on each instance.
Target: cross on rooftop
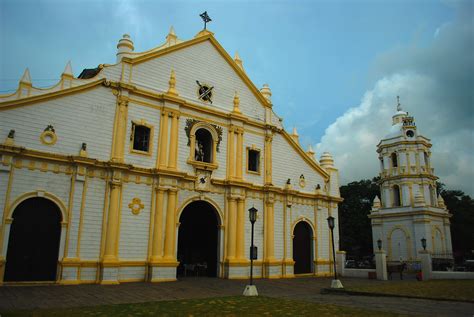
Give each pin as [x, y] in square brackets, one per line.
[205, 17]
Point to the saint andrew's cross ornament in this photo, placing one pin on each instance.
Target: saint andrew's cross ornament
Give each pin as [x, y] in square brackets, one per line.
[205, 92]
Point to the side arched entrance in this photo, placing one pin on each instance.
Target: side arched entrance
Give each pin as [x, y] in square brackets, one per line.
[302, 248]
[33, 244]
[198, 240]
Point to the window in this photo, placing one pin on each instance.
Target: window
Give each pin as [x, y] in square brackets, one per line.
[394, 160]
[427, 160]
[140, 137]
[203, 142]
[433, 196]
[253, 160]
[203, 146]
[396, 196]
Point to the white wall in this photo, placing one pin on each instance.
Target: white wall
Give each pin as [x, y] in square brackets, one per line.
[85, 117]
[287, 163]
[134, 229]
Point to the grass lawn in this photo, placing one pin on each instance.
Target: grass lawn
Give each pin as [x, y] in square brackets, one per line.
[222, 306]
[438, 289]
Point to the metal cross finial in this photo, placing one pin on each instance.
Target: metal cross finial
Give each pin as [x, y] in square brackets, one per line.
[399, 106]
[205, 18]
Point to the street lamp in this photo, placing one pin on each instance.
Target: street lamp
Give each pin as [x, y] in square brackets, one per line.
[335, 282]
[251, 290]
[379, 244]
[423, 243]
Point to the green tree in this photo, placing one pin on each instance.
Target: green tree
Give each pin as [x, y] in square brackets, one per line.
[354, 224]
[461, 206]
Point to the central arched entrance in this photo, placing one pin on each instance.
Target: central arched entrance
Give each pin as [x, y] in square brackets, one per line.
[198, 240]
[302, 248]
[33, 245]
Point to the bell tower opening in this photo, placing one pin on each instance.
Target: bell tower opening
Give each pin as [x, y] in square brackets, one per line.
[396, 196]
[33, 245]
[198, 240]
[394, 160]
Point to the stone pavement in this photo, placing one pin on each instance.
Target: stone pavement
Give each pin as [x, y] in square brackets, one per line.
[306, 289]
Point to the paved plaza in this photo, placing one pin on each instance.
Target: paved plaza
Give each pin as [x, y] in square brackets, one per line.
[306, 289]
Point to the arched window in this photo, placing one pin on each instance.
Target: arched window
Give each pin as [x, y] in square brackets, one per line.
[433, 195]
[394, 160]
[204, 139]
[427, 160]
[203, 147]
[396, 196]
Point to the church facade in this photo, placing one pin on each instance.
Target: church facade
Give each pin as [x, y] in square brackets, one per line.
[144, 170]
[409, 209]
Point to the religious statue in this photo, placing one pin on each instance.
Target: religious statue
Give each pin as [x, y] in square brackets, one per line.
[199, 152]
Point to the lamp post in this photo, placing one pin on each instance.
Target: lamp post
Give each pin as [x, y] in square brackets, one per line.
[423, 243]
[379, 244]
[251, 290]
[335, 282]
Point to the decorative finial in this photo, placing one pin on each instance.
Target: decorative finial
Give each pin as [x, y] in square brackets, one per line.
[67, 73]
[266, 92]
[171, 37]
[205, 17]
[311, 152]
[441, 203]
[26, 78]
[326, 160]
[236, 103]
[238, 61]
[172, 84]
[124, 47]
[376, 205]
[294, 135]
[399, 106]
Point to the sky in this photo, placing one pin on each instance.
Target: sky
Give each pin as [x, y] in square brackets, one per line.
[334, 67]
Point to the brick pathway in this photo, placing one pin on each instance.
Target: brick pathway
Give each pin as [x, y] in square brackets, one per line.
[307, 289]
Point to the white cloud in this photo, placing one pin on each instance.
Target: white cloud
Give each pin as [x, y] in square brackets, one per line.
[133, 21]
[436, 87]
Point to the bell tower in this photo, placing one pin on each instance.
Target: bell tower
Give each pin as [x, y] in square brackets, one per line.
[409, 208]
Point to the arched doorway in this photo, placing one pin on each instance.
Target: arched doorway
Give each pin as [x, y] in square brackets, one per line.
[198, 240]
[33, 245]
[302, 248]
[398, 245]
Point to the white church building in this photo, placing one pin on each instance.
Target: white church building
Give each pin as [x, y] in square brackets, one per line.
[144, 170]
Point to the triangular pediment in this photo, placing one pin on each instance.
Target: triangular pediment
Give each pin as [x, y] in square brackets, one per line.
[201, 59]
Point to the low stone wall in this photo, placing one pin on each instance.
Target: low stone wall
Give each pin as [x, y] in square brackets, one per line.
[438, 275]
[362, 273]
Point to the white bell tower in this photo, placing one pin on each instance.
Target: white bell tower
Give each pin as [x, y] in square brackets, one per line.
[409, 208]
